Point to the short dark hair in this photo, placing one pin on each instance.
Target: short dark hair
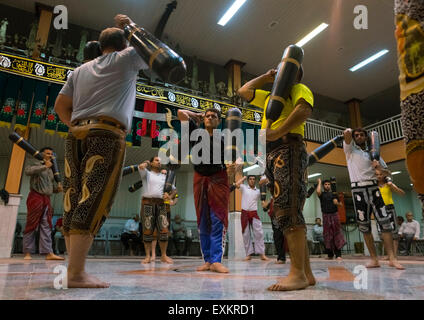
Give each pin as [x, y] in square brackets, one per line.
[400, 218]
[46, 148]
[251, 175]
[112, 38]
[359, 130]
[218, 113]
[325, 181]
[92, 50]
[153, 158]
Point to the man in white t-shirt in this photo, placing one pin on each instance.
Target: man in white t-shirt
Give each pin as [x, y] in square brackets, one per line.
[250, 219]
[366, 194]
[153, 209]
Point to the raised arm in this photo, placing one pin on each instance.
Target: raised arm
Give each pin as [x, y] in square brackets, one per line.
[247, 91]
[319, 188]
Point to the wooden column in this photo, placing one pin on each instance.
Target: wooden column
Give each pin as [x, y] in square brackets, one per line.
[354, 113]
[45, 14]
[234, 70]
[16, 164]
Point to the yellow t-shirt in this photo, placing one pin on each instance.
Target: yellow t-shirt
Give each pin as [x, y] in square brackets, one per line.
[386, 193]
[261, 98]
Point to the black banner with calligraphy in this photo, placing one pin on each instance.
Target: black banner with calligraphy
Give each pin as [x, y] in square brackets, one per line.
[59, 74]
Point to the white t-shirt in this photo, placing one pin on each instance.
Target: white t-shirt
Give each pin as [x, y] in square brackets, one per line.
[359, 163]
[153, 183]
[249, 198]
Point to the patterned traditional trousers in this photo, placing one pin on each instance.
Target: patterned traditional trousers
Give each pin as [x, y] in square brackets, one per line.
[333, 235]
[286, 164]
[410, 43]
[154, 217]
[94, 154]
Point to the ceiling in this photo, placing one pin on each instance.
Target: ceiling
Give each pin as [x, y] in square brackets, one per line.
[248, 37]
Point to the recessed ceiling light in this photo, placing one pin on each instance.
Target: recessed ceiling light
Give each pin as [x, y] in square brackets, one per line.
[369, 60]
[231, 12]
[314, 175]
[251, 168]
[396, 172]
[312, 34]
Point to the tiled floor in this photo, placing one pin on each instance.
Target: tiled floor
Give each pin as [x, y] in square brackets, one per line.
[20, 279]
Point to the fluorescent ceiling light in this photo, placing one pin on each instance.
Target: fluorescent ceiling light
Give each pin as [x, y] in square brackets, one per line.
[314, 175]
[396, 172]
[230, 12]
[251, 168]
[312, 34]
[369, 60]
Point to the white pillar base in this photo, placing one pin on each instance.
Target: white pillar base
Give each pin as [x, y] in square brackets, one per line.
[236, 249]
[8, 217]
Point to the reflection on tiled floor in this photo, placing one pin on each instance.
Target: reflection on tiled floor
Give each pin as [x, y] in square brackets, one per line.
[20, 279]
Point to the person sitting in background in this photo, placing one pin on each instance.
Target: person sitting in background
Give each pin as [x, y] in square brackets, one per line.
[408, 232]
[317, 233]
[131, 232]
[179, 232]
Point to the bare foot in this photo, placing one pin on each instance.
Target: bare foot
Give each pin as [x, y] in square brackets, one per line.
[385, 258]
[153, 258]
[339, 259]
[247, 258]
[166, 259]
[396, 264]
[205, 267]
[264, 257]
[52, 256]
[373, 264]
[280, 262]
[27, 256]
[146, 260]
[84, 280]
[289, 283]
[218, 267]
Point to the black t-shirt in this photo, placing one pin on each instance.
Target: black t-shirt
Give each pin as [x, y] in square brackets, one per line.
[327, 205]
[211, 168]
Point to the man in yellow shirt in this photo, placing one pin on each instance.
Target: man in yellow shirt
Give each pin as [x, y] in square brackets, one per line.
[286, 164]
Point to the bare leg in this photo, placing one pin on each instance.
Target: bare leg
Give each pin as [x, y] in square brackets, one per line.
[67, 244]
[147, 248]
[77, 277]
[296, 280]
[308, 270]
[395, 247]
[388, 243]
[154, 243]
[164, 258]
[369, 241]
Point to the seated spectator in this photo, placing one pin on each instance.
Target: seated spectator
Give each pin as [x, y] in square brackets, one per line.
[317, 233]
[132, 232]
[409, 231]
[179, 232]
